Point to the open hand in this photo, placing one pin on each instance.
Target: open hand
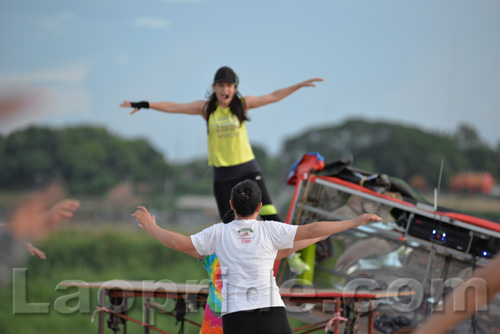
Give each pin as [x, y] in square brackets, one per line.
[366, 218]
[127, 104]
[34, 219]
[146, 221]
[62, 210]
[311, 82]
[35, 251]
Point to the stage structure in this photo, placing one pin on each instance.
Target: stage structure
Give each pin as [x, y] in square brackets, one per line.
[418, 247]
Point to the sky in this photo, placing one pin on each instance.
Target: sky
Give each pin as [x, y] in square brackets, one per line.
[428, 64]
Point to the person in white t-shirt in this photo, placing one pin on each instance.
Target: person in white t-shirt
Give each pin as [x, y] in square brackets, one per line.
[246, 249]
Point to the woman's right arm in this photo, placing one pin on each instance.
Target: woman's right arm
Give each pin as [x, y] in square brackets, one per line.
[319, 229]
[170, 239]
[191, 108]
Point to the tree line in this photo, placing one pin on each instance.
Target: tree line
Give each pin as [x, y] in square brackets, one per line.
[400, 151]
[91, 160]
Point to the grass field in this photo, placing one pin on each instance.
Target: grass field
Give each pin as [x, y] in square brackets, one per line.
[97, 254]
[487, 207]
[89, 253]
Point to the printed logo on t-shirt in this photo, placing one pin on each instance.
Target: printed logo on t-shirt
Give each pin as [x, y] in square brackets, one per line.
[227, 126]
[246, 235]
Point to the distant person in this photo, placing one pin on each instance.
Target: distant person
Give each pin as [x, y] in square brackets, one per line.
[35, 218]
[247, 249]
[465, 300]
[229, 150]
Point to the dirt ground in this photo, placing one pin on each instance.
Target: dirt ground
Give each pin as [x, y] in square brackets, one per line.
[476, 204]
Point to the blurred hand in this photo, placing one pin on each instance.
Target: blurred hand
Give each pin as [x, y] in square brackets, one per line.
[310, 82]
[35, 217]
[127, 104]
[366, 218]
[146, 221]
[62, 210]
[35, 251]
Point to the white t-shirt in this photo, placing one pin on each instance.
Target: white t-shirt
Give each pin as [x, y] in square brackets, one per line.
[246, 250]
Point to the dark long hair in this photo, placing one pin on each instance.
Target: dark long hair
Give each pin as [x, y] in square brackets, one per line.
[237, 106]
[246, 197]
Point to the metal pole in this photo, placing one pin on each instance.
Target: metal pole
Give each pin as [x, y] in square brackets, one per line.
[371, 322]
[125, 312]
[336, 322]
[146, 315]
[357, 316]
[426, 276]
[102, 302]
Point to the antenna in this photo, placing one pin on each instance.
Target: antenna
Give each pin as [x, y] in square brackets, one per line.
[436, 191]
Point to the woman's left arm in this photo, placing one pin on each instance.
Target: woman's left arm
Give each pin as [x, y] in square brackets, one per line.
[259, 101]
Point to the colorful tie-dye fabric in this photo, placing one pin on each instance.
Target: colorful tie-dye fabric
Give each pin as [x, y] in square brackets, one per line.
[212, 320]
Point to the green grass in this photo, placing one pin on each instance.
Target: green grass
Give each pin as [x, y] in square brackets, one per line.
[92, 254]
[89, 253]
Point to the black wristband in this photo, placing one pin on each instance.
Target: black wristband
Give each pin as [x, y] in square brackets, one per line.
[139, 105]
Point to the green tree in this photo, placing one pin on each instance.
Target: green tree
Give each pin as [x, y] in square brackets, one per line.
[467, 137]
[88, 158]
[27, 157]
[397, 150]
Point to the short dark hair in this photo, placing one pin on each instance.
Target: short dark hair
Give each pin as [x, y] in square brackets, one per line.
[246, 197]
[228, 216]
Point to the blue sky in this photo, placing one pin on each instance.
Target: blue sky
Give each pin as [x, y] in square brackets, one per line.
[431, 64]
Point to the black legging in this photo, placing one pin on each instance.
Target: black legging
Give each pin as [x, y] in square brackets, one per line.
[222, 192]
[270, 320]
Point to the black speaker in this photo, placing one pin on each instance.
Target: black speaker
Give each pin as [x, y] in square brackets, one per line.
[484, 246]
[438, 232]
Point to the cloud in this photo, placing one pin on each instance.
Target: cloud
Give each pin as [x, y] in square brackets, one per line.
[123, 59]
[151, 23]
[49, 93]
[57, 23]
[183, 1]
[68, 74]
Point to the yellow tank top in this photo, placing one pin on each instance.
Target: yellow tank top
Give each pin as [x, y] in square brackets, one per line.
[227, 141]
